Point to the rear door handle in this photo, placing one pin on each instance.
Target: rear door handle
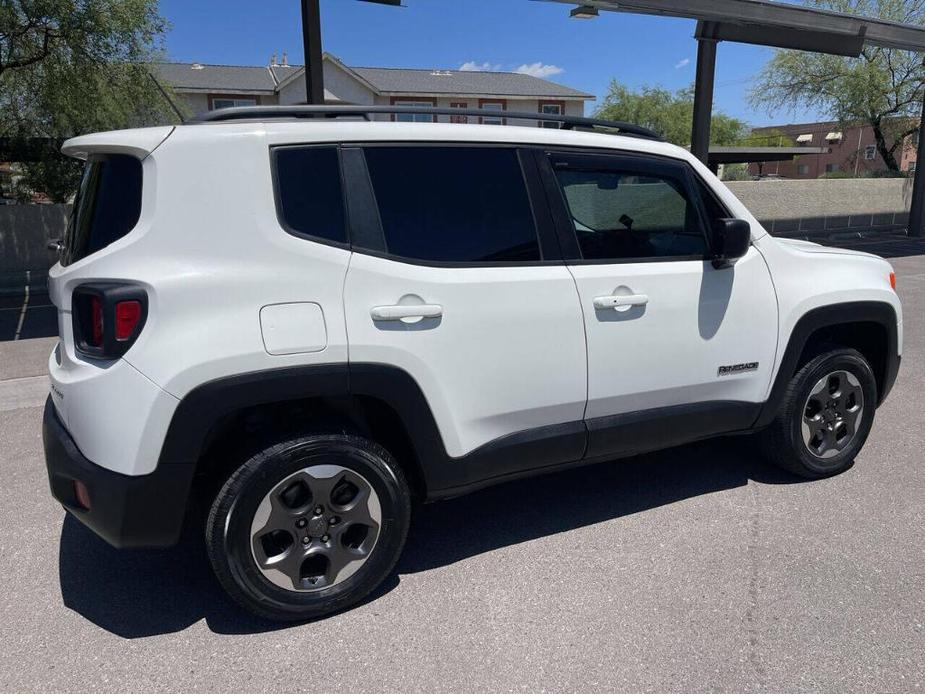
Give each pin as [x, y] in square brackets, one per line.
[616, 301]
[399, 311]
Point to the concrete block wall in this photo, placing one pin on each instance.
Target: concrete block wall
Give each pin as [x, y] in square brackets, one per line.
[25, 231]
[827, 207]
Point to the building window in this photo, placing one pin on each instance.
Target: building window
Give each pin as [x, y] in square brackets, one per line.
[551, 108]
[459, 119]
[492, 106]
[870, 152]
[414, 117]
[802, 169]
[231, 102]
[831, 168]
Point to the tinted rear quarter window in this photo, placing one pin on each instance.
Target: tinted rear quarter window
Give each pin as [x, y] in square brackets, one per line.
[310, 200]
[453, 204]
[106, 207]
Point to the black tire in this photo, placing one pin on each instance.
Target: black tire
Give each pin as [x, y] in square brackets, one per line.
[783, 443]
[228, 529]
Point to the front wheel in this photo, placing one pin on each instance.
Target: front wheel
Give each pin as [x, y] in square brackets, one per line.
[826, 415]
[309, 526]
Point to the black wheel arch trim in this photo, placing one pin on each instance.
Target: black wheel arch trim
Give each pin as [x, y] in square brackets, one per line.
[515, 455]
[832, 315]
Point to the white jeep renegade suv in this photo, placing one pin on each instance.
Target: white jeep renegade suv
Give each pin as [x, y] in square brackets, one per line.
[304, 323]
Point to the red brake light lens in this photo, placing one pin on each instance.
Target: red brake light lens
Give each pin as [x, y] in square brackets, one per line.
[96, 321]
[128, 313]
[893, 281]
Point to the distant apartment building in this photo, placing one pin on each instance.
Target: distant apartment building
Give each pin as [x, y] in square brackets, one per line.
[852, 150]
[208, 87]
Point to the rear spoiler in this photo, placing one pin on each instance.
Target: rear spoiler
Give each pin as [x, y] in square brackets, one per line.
[138, 142]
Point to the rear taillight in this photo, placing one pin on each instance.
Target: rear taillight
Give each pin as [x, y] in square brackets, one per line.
[128, 313]
[108, 318]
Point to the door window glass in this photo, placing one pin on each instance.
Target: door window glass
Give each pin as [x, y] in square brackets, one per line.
[621, 214]
[453, 204]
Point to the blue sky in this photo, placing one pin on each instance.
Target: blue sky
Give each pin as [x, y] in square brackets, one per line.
[500, 34]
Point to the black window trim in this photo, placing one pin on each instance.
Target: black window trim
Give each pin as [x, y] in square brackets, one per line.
[563, 220]
[547, 241]
[277, 197]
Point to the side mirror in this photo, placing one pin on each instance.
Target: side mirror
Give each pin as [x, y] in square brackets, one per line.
[731, 238]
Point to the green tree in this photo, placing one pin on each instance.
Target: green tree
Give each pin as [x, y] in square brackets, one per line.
[668, 113]
[882, 88]
[69, 67]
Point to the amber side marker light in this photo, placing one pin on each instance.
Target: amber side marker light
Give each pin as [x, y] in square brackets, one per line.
[893, 281]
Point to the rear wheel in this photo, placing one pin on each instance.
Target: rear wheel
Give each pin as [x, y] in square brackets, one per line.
[309, 526]
[826, 416]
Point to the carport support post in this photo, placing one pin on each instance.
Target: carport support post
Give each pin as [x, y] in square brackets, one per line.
[917, 209]
[311, 42]
[703, 96]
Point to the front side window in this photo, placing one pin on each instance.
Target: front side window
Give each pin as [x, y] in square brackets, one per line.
[414, 117]
[309, 199]
[453, 204]
[231, 103]
[623, 214]
[870, 152]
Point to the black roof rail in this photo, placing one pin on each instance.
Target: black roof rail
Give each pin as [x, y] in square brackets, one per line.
[280, 112]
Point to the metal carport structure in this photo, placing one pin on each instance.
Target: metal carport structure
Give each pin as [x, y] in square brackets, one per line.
[778, 25]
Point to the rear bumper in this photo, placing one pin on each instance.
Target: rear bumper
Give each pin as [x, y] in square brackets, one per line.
[125, 510]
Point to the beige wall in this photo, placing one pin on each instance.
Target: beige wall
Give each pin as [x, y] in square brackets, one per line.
[336, 81]
[198, 102]
[572, 108]
[826, 206]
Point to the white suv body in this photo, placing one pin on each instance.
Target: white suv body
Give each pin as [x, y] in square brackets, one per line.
[559, 349]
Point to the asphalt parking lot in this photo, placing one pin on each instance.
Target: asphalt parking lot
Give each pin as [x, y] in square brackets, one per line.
[699, 569]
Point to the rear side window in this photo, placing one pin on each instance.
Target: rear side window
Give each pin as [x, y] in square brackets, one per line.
[453, 204]
[106, 207]
[309, 197]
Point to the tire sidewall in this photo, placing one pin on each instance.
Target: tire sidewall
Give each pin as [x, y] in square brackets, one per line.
[843, 360]
[244, 491]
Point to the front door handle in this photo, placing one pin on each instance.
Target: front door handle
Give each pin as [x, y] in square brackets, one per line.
[400, 311]
[617, 301]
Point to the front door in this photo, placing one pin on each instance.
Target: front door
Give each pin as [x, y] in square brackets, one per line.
[677, 349]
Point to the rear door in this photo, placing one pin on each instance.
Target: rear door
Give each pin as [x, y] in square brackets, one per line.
[456, 279]
[673, 342]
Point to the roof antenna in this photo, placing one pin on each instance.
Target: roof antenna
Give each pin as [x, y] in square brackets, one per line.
[285, 60]
[273, 60]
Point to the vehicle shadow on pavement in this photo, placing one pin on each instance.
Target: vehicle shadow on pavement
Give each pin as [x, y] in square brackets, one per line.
[138, 593]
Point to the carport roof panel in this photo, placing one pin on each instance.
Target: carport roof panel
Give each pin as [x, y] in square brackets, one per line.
[774, 17]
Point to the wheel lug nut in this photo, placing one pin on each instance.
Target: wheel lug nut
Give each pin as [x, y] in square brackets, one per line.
[325, 538]
[318, 510]
[301, 523]
[334, 520]
[306, 540]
